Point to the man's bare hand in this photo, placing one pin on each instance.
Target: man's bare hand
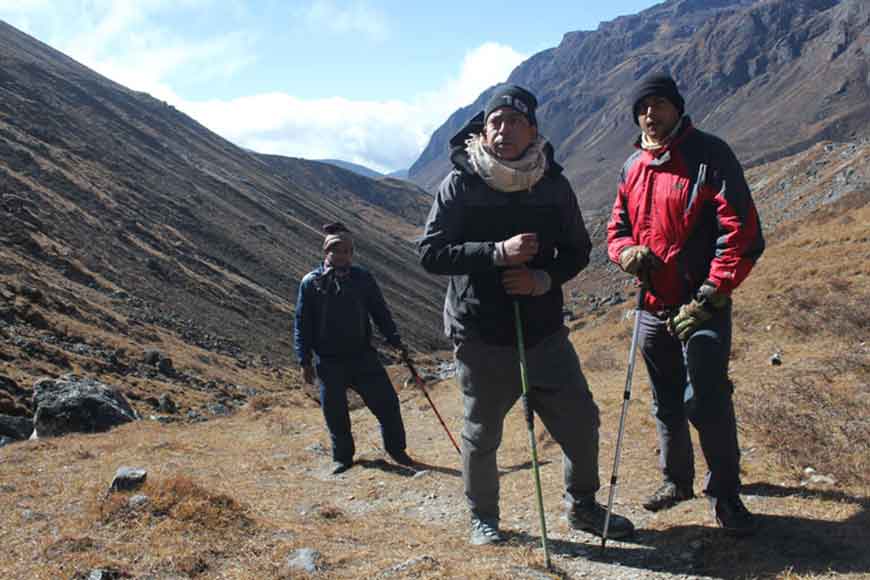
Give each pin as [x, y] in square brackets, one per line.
[520, 249]
[518, 281]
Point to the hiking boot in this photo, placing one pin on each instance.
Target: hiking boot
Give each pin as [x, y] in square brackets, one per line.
[732, 516]
[589, 516]
[341, 466]
[667, 496]
[484, 532]
[402, 458]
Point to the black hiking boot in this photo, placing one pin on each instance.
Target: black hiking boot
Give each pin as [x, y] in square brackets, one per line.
[402, 458]
[667, 496]
[732, 516]
[341, 466]
[589, 515]
[484, 531]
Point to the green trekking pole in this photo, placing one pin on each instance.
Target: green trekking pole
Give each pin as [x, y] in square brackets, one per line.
[530, 422]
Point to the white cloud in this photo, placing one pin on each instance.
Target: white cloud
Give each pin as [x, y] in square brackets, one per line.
[356, 18]
[486, 65]
[382, 135]
[123, 40]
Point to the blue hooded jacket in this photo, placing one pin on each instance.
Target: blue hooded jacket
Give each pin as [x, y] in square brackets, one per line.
[334, 313]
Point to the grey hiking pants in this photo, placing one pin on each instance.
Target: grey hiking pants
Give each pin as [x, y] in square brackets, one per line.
[690, 384]
[489, 377]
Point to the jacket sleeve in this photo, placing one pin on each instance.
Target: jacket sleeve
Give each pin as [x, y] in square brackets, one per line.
[619, 229]
[573, 246]
[303, 327]
[740, 241]
[441, 248]
[380, 313]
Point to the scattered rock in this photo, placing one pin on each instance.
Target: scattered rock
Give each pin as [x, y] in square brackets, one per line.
[73, 404]
[128, 478]
[15, 428]
[165, 404]
[165, 366]
[811, 477]
[305, 559]
[152, 357]
[137, 501]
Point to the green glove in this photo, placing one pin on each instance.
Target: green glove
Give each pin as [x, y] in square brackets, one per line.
[692, 315]
[637, 260]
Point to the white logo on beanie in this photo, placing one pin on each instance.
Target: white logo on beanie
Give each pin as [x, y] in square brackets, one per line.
[510, 101]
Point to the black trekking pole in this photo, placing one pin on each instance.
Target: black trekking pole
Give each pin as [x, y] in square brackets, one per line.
[626, 398]
[419, 382]
[530, 423]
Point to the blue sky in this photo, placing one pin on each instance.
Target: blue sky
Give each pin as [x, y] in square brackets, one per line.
[362, 80]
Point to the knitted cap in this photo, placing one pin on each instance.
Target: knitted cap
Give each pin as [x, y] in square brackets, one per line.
[515, 97]
[336, 232]
[659, 85]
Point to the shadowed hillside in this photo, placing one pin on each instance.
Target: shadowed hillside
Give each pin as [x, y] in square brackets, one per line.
[113, 201]
[772, 77]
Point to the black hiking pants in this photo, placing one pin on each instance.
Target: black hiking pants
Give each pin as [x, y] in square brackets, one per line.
[690, 384]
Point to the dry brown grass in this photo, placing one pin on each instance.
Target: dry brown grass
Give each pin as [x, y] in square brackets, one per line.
[807, 301]
[234, 498]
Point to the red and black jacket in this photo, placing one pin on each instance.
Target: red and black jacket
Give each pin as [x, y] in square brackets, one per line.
[690, 204]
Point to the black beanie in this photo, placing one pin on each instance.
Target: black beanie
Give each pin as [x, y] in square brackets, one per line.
[517, 98]
[660, 85]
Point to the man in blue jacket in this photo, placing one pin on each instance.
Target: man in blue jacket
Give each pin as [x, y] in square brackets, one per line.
[332, 339]
[506, 226]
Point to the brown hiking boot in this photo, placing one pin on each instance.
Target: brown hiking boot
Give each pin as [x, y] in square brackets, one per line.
[667, 496]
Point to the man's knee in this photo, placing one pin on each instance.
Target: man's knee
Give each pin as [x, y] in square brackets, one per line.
[709, 402]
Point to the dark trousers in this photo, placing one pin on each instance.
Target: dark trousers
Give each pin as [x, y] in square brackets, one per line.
[365, 374]
[489, 376]
[690, 384]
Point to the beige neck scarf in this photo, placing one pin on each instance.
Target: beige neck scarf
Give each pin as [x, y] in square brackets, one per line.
[508, 176]
[648, 144]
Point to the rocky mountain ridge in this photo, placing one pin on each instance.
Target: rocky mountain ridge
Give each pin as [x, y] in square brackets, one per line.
[771, 77]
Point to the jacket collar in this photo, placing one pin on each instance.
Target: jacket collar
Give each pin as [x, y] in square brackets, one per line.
[662, 155]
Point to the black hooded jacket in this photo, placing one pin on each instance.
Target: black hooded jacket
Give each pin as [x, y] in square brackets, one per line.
[468, 217]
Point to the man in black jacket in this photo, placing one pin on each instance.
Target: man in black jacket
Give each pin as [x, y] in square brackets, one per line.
[332, 339]
[506, 226]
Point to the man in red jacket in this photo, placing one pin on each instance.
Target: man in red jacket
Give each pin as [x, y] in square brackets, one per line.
[684, 222]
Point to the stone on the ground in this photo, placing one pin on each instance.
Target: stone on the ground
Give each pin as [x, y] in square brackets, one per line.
[305, 559]
[128, 478]
[72, 404]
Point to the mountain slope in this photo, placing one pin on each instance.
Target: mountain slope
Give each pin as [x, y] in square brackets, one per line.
[769, 76]
[354, 167]
[240, 497]
[121, 194]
